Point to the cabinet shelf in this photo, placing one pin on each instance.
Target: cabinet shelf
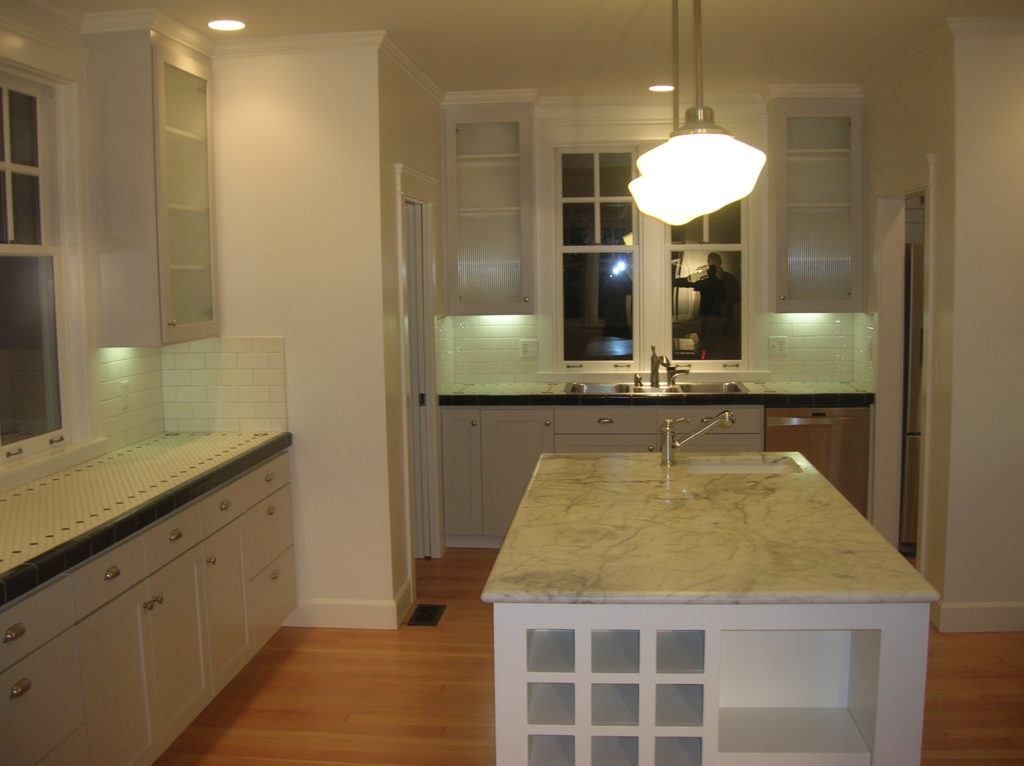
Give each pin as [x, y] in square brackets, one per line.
[187, 135]
[477, 211]
[486, 157]
[791, 736]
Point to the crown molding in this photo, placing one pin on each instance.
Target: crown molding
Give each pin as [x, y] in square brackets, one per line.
[412, 69]
[269, 46]
[147, 19]
[985, 25]
[458, 97]
[42, 41]
[813, 90]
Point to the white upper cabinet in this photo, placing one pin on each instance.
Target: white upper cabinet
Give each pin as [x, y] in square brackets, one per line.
[489, 201]
[818, 168]
[149, 134]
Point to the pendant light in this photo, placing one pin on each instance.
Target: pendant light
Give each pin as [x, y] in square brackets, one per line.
[702, 167]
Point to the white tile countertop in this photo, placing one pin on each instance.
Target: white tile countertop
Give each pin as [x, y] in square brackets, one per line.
[59, 520]
[744, 528]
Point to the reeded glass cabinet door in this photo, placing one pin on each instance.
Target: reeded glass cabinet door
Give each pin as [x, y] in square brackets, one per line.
[186, 249]
[490, 231]
[819, 220]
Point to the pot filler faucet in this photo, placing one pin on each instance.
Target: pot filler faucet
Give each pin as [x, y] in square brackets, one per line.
[724, 419]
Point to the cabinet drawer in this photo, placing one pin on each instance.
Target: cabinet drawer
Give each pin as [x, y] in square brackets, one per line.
[224, 504]
[606, 443]
[108, 575]
[268, 530]
[34, 620]
[749, 418]
[73, 751]
[607, 420]
[173, 536]
[271, 597]
[40, 703]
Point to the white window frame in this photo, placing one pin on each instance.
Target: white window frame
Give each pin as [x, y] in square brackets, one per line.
[651, 289]
[47, 107]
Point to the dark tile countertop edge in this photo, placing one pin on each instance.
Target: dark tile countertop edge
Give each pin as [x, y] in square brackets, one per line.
[624, 400]
[28, 575]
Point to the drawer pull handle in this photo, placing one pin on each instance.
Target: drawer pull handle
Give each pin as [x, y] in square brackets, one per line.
[20, 689]
[605, 420]
[152, 602]
[13, 633]
[269, 477]
[275, 574]
[176, 534]
[271, 510]
[225, 504]
[112, 573]
[211, 560]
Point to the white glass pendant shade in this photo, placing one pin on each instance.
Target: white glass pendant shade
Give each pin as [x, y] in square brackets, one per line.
[694, 174]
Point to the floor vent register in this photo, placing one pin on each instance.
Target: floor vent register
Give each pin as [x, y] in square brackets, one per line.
[426, 614]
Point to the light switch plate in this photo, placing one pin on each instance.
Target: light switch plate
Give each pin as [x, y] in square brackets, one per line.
[777, 345]
[527, 348]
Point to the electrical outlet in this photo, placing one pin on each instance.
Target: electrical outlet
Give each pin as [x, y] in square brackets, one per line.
[527, 348]
[777, 345]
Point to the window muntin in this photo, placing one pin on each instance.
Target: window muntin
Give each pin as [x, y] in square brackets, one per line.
[31, 416]
[598, 221]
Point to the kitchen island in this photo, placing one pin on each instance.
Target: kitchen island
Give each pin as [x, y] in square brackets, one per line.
[730, 609]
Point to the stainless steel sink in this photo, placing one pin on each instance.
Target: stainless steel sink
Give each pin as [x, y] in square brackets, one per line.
[599, 389]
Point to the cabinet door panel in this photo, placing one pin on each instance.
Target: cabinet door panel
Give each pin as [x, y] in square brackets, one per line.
[180, 687]
[111, 650]
[227, 628]
[460, 447]
[510, 443]
[606, 443]
[271, 597]
[40, 704]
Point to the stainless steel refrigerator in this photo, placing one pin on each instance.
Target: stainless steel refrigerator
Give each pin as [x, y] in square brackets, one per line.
[913, 395]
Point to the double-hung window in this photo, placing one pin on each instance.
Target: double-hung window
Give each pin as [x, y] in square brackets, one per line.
[610, 310]
[30, 402]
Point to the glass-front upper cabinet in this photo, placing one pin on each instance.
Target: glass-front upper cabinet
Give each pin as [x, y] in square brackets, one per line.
[151, 188]
[819, 192]
[489, 194]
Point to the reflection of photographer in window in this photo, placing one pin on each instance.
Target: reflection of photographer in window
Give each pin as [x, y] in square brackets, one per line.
[719, 292]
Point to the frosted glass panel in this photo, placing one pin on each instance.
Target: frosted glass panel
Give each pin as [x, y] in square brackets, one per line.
[488, 257]
[819, 132]
[487, 138]
[822, 178]
[819, 253]
[488, 183]
[185, 101]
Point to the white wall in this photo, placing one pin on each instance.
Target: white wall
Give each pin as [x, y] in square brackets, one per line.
[933, 105]
[297, 150]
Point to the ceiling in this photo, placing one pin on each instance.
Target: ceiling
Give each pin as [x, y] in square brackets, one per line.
[602, 47]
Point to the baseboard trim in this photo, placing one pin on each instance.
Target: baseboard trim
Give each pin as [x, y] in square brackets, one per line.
[978, 616]
[345, 613]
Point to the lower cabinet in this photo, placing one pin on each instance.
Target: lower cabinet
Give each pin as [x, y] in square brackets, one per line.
[109, 664]
[489, 453]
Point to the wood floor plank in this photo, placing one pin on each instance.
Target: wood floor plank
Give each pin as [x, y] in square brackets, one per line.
[424, 696]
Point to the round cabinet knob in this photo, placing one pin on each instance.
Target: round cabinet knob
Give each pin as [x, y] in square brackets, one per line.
[225, 504]
[176, 534]
[172, 322]
[271, 510]
[275, 574]
[472, 422]
[269, 477]
[211, 560]
[547, 422]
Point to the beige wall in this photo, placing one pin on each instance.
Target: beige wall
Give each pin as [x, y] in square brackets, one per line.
[958, 100]
[297, 148]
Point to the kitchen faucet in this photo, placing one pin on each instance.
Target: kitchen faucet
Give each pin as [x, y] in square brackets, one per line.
[725, 419]
[656, 363]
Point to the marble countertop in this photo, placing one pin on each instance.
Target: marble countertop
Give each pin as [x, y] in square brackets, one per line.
[50, 525]
[751, 528]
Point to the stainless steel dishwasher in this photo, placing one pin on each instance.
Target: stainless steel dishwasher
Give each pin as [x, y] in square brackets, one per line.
[837, 441]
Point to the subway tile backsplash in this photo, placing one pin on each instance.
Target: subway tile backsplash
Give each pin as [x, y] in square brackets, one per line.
[225, 384]
[819, 347]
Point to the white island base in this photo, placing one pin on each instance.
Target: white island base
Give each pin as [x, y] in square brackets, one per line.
[709, 684]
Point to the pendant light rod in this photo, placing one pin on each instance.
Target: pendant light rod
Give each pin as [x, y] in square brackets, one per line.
[675, 65]
[698, 58]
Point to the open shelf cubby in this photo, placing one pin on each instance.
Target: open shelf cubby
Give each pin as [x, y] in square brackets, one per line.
[615, 651]
[552, 750]
[679, 705]
[550, 651]
[615, 704]
[551, 704]
[680, 651]
[614, 751]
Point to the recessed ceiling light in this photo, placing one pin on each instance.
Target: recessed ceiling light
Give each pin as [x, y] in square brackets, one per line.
[226, 25]
[661, 89]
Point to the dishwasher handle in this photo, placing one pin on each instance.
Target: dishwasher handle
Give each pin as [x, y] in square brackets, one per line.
[820, 420]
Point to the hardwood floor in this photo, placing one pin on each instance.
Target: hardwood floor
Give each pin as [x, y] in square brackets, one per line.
[422, 696]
